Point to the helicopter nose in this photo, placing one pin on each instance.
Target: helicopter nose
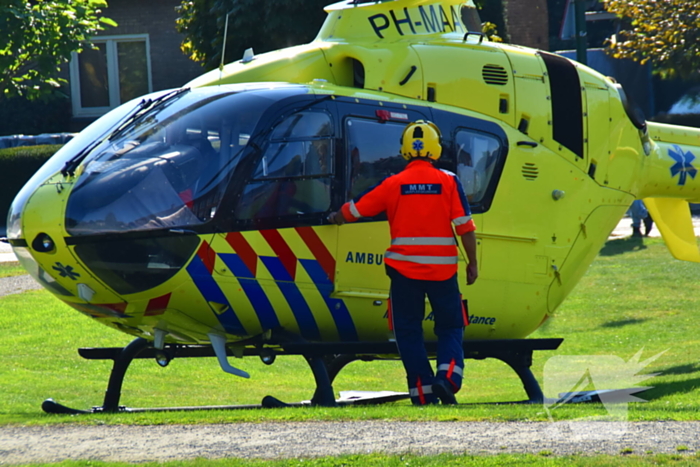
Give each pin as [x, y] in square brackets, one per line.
[45, 253]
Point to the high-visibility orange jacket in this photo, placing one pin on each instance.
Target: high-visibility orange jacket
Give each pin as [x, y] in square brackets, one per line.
[421, 202]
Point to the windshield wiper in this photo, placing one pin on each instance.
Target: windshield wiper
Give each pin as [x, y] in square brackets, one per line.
[141, 110]
[73, 163]
[144, 107]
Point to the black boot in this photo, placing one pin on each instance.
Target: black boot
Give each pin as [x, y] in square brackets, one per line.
[444, 393]
[636, 232]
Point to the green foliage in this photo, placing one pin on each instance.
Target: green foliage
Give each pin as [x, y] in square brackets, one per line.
[665, 33]
[17, 166]
[264, 25]
[47, 114]
[491, 31]
[267, 25]
[494, 23]
[38, 37]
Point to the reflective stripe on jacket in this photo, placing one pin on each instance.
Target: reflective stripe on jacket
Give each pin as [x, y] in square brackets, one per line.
[421, 202]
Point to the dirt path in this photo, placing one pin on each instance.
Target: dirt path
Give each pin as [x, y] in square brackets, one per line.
[17, 284]
[314, 439]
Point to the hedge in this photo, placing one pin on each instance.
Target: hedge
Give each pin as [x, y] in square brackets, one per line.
[692, 120]
[49, 115]
[17, 165]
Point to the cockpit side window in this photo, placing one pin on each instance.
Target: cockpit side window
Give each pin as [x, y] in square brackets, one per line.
[477, 154]
[293, 176]
[373, 149]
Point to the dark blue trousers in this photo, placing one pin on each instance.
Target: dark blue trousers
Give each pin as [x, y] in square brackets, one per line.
[407, 311]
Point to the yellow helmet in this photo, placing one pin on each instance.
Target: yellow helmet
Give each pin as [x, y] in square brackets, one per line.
[421, 139]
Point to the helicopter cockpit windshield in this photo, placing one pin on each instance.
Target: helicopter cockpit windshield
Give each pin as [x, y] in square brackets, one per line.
[169, 169]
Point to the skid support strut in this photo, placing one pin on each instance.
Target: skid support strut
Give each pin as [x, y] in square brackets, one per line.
[122, 360]
[325, 359]
[324, 395]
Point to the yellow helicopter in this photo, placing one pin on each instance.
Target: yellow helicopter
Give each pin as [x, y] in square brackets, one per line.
[196, 219]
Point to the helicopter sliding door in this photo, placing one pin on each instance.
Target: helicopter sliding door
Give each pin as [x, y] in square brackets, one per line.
[475, 149]
[372, 134]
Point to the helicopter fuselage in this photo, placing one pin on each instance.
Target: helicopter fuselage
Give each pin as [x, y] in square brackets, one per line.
[205, 211]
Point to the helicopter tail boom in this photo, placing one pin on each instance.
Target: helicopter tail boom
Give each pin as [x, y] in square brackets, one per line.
[671, 184]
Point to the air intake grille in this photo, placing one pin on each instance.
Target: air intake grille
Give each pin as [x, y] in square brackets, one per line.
[495, 74]
[530, 171]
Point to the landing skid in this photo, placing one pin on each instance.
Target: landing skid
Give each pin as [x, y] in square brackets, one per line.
[268, 402]
[326, 360]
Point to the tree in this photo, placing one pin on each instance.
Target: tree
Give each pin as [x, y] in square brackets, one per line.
[494, 22]
[663, 32]
[38, 37]
[264, 25]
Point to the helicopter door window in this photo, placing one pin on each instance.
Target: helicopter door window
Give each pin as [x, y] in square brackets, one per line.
[374, 152]
[294, 174]
[477, 155]
[295, 159]
[303, 125]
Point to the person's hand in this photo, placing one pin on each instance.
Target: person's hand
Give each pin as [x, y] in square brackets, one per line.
[472, 273]
[336, 217]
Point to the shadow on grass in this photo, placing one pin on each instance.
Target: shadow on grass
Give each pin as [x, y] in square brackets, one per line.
[681, 369]
[623, 322]
[622, 245]
[661, 390]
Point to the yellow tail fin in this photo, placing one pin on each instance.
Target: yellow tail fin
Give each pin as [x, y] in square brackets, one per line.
[672, 218]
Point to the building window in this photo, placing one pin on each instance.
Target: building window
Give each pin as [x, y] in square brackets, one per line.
[117, 70]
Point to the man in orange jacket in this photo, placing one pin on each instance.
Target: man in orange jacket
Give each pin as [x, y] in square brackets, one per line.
[422, 202]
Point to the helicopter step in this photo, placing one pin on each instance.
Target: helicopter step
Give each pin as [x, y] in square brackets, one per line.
[325, 359]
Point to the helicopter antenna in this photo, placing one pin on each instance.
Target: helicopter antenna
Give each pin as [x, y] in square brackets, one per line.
[223, 48]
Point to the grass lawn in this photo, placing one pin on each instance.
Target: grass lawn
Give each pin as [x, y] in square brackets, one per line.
[635, 297]
[11, 269]
[444, 460]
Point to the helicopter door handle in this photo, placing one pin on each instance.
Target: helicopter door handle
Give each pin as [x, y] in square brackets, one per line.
[480, 34]
[531, 144]
[408, 76]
